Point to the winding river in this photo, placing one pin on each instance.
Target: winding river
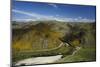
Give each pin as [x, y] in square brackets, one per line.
[39, 60]
[44, 60]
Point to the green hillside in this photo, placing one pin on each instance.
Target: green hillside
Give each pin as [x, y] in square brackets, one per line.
[44, 38]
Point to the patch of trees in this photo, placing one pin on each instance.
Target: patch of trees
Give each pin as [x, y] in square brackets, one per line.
[76, 35]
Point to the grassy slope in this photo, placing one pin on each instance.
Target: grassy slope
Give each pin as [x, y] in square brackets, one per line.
[23, 48]
[88, 52]
[84, 54]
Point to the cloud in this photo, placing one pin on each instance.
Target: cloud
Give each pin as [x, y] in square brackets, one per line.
[53, 5]
[27, 13]
[35, 16]
[81, 19]
[23, 20]
[78, 19]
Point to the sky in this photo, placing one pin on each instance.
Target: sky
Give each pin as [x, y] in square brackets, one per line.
[33, 11]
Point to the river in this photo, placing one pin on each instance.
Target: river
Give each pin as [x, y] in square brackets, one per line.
[39, 60]
[43, 60]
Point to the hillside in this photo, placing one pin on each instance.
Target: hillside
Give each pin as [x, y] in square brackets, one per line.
[44, 38]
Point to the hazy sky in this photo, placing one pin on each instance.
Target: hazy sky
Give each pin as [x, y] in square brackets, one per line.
[24, 11]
